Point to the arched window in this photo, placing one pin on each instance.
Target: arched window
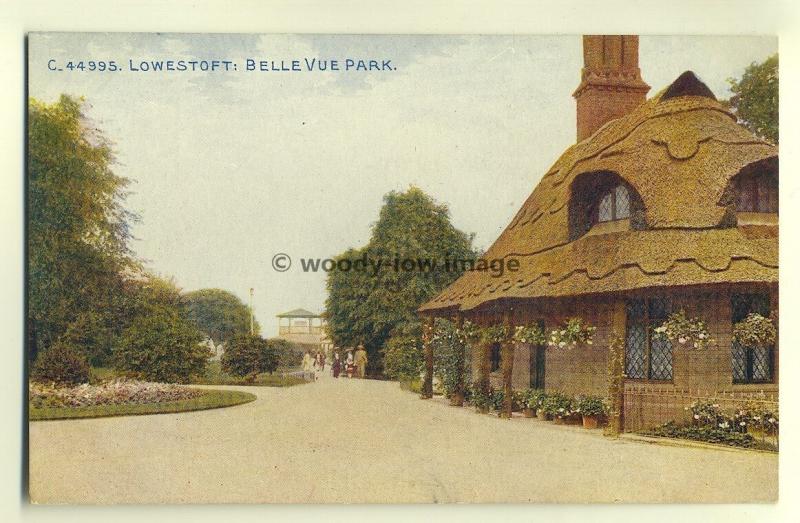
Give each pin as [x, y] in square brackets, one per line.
[757, 192]
[602, 196]
[614, 204]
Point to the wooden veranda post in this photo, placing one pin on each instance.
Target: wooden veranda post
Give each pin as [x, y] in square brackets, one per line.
[457, 400]
[616, 372]
[507, 365]
[484, 368]
[427, 347]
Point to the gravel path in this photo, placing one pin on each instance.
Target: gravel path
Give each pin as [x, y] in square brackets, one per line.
[367, 441]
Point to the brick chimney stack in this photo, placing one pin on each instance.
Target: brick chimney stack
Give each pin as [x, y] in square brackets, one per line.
[611, 83]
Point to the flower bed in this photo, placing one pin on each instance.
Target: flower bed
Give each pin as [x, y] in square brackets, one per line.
[114, 392]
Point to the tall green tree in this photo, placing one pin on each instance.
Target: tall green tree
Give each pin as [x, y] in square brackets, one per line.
[755, 98]
[219, 314]
[368, 306]
[77, 226]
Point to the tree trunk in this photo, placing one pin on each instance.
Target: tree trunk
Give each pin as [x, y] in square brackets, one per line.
[427, 345]
[507, 365]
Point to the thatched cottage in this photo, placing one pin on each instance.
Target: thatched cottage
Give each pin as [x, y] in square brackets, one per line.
[663, 203]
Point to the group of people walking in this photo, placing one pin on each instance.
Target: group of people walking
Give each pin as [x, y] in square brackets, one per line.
[353, 364]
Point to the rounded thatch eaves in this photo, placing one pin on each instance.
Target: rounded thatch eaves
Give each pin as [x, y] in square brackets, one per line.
[678, 154]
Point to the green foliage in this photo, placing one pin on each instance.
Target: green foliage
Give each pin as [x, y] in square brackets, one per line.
[214, 375]
[78, 230]
[573, 332]
[755, 331]
[557, 404]
[495, 333]
[249, 356]
[590, 406]
[705, 433]
[755, 98]
[533, 398]
[218, 313]
[451, 350]
[403, 357]
[93, 335]
[290, 355]
[531, 334]
[210, 399]
[161, 346]
[367, 306]
[62, 363]
[678, 327]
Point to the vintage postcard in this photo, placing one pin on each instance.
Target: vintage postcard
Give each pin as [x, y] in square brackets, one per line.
[402, 269]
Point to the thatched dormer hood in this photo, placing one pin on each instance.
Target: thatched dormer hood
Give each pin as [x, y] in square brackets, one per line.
[679, 151]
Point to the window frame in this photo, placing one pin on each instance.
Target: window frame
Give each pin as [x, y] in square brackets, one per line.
[755, 186]
[749, 352]
[610, 191]
[648, 321]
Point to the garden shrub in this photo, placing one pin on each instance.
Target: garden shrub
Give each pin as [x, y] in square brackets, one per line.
[62, 363]
[705, 433]
[590, 406]
[557, 404]
[403, 358]
[161, 346]
[248, 356]
[451, 349]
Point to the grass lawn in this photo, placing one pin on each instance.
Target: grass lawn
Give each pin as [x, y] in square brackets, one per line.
[211, 399]
[216, 376]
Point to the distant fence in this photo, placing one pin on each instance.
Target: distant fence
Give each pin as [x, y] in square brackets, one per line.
[648, 406]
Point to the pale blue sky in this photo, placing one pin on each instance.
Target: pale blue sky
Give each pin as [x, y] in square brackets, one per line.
[229, 169]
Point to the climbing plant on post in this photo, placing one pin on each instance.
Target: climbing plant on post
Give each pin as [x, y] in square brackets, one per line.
[616, 380]
[427, 347]
[482, 393]
[507, 365]
[457, 399]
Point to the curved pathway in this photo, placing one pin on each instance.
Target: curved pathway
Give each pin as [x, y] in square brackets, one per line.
[368, 441]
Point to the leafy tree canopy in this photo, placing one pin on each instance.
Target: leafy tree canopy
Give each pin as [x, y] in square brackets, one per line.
[366, 307]
[218, 313]
[78, 229]
[249, 356]
[755, 98]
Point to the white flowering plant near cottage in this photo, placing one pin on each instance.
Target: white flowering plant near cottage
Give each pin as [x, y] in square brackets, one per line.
[755, 331]
[531, 334]
[573, 332]
[685, 331]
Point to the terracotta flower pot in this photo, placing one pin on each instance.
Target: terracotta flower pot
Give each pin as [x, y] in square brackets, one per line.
[543, 415]
[558, 420]
[590, 422]
[482, 410]
[528, 413]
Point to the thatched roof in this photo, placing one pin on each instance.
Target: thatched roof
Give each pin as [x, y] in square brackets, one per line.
[679, 153]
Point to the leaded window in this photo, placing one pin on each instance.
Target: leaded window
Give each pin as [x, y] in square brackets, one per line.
[757, 193]
[750, 364]
[615, 204]
[647, 356]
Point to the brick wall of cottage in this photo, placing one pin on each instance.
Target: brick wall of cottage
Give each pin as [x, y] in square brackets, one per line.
[583, 369]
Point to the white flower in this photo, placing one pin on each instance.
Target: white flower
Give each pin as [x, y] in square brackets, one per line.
[742, 423]
[681, 340]
[701, 336]
[588, 342]
[561, 344]
[771, 420]
[696, 416]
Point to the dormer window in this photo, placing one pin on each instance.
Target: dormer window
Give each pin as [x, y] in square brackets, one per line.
[757, 192]
[615, 204]
[601, 197]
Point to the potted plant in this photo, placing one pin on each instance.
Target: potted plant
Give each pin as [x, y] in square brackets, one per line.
[531, 402]
[591, 409]
[572, 333]
[558, 406]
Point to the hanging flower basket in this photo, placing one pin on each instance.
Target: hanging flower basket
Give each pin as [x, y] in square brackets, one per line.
[572, 333]
[686, 331]
[755, 331]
